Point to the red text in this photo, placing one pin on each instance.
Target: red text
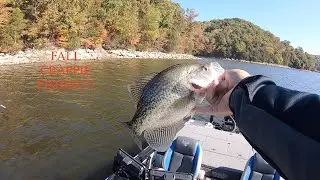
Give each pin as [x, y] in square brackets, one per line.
[58, 70]
[64, 84]
[63, 56]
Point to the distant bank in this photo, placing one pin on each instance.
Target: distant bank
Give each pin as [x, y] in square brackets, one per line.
[46, 55]
[140, 25]
[32, 56]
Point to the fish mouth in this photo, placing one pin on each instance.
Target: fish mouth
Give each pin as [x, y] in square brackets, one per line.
[195, 86]
[198, 85]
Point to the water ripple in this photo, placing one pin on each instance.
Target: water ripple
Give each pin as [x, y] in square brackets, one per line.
[68, 134]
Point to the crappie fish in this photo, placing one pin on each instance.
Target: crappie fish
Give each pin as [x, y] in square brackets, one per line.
[165, 100]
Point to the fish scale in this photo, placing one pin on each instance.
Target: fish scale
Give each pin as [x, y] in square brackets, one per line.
[164, 100]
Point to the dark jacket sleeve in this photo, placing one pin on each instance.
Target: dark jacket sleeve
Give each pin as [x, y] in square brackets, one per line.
[281, 124]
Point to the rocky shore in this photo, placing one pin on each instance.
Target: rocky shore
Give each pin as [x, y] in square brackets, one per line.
[45, 55]
[32, 56]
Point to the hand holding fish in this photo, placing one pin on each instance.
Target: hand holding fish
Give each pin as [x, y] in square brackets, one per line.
[218, 96]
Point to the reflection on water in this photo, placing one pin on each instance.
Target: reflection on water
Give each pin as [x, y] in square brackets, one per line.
[74, 134]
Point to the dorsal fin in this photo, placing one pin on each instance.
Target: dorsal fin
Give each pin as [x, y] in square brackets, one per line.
[135, 89]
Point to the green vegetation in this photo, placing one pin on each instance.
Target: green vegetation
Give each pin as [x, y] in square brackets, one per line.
[143, 25]
[317, 62]
[240, 39]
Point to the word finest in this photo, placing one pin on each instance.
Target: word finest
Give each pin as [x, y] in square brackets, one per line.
[69, 72]
[65, 84]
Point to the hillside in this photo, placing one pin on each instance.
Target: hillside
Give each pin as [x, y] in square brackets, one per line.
[317, 59]
[144, 25]
[240, 39]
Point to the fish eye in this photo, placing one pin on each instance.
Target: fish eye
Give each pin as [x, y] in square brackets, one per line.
[204, 68]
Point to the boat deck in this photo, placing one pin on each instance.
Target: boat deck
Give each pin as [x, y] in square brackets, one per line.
[225, 154]
[221, 149]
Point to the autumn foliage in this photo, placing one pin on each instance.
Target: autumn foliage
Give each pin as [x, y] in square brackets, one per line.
[144, 25]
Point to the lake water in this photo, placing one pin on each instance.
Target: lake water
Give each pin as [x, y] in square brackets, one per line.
[74, 134]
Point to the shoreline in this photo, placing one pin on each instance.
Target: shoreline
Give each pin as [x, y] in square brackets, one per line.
[45, 55]
[260, 63]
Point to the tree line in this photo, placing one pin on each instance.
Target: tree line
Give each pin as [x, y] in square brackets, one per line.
[317, 57]
[144, 25]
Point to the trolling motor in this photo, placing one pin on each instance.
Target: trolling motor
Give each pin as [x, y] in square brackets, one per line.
[127, 167]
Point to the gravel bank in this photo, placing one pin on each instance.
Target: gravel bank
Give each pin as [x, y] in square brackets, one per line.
[31, 56]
